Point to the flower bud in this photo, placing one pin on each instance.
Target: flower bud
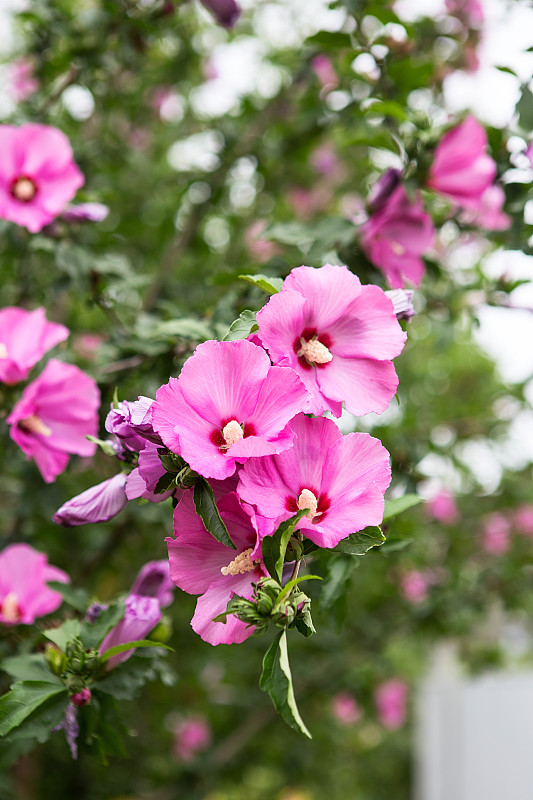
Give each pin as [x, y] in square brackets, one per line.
[82, 698]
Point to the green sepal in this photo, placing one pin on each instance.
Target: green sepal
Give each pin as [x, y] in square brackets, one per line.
[206, 508]
[276, 680]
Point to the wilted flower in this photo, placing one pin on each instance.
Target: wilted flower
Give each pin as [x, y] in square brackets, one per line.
[56, 413]
[38, 175]
[24, 593]
[191, 736]
[402, 301]
[201, 565]
[71, 726]
[86, 212]
[154, 580]
[340, 479]
[228, 405]
[142, 615]
[337, 335]
[97, 504]
[391, 703]
[25, 336]
[397, 234]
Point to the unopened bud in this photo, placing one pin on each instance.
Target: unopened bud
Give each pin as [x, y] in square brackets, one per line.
[82, 698]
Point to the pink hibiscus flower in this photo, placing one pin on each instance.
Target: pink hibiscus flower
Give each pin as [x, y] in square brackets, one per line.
[191, 736]
[341, 479]
[100, 503]
[337, 335]
[154, 580]
[391, 703]
[201, 565]
[461, 169]
[54, 416]
[228, 404]
[24, 593]
[142, 615]
[25, 336]
[38, 176]
[396, 235]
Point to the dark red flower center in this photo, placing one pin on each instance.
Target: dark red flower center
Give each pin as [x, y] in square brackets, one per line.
[23, 189]
[228, 433]
[313, 349]
[307, 498]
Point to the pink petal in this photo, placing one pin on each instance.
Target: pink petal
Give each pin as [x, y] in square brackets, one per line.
[364, 384]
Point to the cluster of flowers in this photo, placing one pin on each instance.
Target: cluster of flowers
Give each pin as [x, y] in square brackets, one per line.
[239, 415]
[57, 410]
[399, 231]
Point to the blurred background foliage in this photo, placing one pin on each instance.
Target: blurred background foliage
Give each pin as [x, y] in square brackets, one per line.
[204, 185]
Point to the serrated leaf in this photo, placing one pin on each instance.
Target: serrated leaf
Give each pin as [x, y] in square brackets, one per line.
[274, 547]
[357, 544]
[276, 680]
[206, 508]
[399, 505]
[264, 282]
[121, 648]
[32, 667]
[93, 633]
[340, 570]
[76, 597]
[64, 634]
[41, 722]
[243, 326]
[22, 700]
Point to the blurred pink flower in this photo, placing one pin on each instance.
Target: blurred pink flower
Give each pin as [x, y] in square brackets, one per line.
[191, 736]
[496, 534]
[462, 170]
[325, 161]
[391, 703]
[415, 585]
[396, 235]
[201, 565]
[86, 212]
[38, 175]
[54, 416]
[88, 344]
[529, 153]
[260, 249]
[443, 508]
[345, 709]
[523, 519]
[142, 615]
[24, 594]
[25, 336]
[323, 68]
[489, 214]
[469, 11]
[307, 202]
[21, 80]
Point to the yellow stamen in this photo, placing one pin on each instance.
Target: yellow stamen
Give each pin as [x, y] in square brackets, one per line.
[9, 609]
[397, 248]
[3, 350]
[232, 432]
[308, 500]
[314, 352]
[35, 425]
[241, 564]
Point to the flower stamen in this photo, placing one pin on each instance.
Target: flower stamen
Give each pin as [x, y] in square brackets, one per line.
[314, 351]
[232, 432]
[24, 189]
[308, 500]
[9, 609]
[3, 350]
[33, 424]
[397, 248]
[240, 564]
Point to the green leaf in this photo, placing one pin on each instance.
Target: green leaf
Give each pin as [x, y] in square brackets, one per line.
[304, 623]
[166, 481]
[64, 634]
[399, 505]
[340, 570]
[76, 597]
[32, 667]
[264, 282]
[22, 700]
[93, 633]
[524, 108]
[357, 544]
[276, 680]
[40, 724]
[274, 547]
[242, 327]
[290, 584]
[121, 648]
[204, 503]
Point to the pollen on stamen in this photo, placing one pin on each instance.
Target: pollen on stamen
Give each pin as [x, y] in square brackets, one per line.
[314, 352]
[240, 564]
[35, 425]
[24, 190]
[3, 350]
[397, 248]
[9, 609]
[308, 500]
[232, 432]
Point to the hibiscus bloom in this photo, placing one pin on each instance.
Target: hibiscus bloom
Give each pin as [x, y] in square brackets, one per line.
[142, 615]
[24, 593]
[228, 404]
[391, 703]
[54, 416]
[396, 235]
[25, 336]
[100, 503]
[201, 565]
[38, 176]
[340, 479]
[337, 335]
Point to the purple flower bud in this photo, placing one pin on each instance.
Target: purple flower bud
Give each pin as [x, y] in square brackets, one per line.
[82, 698]
[383, 188]
[402, 300]
[131, 422]
[97, 504]
[94, 611]
[226, 12]
[142, 615]
[85, 212]
[154, 581]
